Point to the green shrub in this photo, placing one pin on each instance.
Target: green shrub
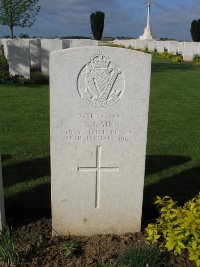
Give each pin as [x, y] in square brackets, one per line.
[196, 59]
[142, 256]
[146, 50]
[177, 59]
[4, 68]
[178, 228]
[165, 54]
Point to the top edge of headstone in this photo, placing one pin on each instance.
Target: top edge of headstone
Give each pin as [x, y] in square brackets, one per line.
[67, 50]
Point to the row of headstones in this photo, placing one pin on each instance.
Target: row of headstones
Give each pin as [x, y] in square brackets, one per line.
[187, 49]
[24, 53]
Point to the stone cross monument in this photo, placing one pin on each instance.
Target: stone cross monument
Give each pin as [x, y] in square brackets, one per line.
[147, 31]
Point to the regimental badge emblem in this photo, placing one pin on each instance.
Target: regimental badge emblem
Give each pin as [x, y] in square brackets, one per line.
[100, 83]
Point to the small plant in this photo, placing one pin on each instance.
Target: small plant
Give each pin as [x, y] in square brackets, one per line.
[70, 248]
[146, 50]
[8, 254]
[177, 59]
[143, 256]
[33, 238]
[165, 54]
[178, 228]
[196, 59]
[19, 79]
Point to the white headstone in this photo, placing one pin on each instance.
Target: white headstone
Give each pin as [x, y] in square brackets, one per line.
[47, 46]
[2, 210]
[151, 46]
[161, 46]
[99, 111]
[19, 57]
[173, 47]
[141, 44]
[35, 52]
[190, 49]
[180, 47]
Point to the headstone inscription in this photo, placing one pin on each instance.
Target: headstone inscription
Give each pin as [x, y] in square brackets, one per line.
[99, 113]
[2, 211]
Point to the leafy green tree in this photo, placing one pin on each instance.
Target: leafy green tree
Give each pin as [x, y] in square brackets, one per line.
[195, 30]
[97, 24]
[18, 13]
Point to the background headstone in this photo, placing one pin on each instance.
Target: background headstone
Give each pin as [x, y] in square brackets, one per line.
[2, 211]
[190, 49]
[47, 46]
[173, 47]
[19, 57]
[99, 113]
[161, 46]
[151, 45]
[35, 52]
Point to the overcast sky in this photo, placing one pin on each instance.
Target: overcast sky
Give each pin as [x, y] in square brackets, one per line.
[169, 18]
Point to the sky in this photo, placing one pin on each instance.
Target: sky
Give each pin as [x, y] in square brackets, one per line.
[169, 18]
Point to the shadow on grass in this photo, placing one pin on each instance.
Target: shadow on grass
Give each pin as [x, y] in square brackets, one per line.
[29, 206]
[5, 157]
[181, 187]
[156, 163]
[24, 171]
[182, 66]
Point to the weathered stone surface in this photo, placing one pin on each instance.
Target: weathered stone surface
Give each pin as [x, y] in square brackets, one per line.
[99, 110]
[35, 52]
[2, 211]
[19, 57]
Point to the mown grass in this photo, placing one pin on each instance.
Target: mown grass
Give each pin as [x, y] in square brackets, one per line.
[173, 157]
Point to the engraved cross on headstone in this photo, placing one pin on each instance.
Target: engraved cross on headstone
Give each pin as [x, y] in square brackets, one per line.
[98, 169]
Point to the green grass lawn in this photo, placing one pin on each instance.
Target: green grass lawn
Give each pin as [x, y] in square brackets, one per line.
[173, 157]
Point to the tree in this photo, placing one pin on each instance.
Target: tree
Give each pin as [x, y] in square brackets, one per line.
[195, 30]
[18, 13]
[97, 24]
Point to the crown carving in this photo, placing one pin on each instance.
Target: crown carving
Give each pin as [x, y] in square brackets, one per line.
[100, 61]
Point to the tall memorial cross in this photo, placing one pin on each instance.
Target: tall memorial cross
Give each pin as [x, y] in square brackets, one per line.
[147, 31]
[98, 169]
[149, 5]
